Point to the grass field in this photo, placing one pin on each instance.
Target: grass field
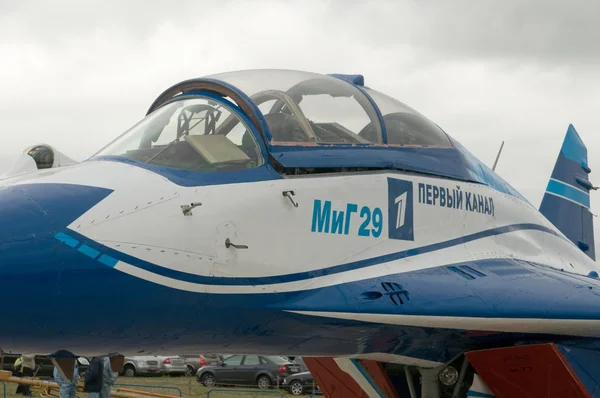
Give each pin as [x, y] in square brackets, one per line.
[188, 385]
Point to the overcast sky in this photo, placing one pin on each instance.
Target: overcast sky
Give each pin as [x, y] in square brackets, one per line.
[75, 74]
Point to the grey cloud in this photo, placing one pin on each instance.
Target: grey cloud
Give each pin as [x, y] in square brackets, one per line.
[562, 33]
[58, 21]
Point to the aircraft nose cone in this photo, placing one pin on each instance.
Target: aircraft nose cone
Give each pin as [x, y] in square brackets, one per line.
[32, 214]
[36, 269]
[21, 216]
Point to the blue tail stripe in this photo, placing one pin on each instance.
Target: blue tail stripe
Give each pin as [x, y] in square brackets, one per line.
[569, 192]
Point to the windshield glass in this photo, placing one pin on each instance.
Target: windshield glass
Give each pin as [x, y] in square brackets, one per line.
[302, 107]
[404, 125]
[197, 133]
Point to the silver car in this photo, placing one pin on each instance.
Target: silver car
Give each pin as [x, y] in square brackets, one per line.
[172, 365]
[142, 366]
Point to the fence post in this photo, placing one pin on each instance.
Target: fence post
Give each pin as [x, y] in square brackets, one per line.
[4, 387]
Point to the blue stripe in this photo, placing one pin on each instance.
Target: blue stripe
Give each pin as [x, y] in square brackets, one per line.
[108, 260]
[67, 240]
[569, 192]
[366, 376]
[242, 281]
[89, 251]
[480, 172]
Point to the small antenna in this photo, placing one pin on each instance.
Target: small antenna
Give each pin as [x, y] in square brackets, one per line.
[498, 156]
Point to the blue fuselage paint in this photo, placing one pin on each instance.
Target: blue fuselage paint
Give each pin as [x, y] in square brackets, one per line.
[64, 298]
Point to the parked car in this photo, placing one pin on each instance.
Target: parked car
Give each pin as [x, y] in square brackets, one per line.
[44, 368]
[195, 362]
[172, 365]
[259, 370]
[142, 366]
[299, 383]
[299, 361]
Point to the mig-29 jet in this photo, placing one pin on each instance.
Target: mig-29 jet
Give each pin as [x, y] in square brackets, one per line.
[293, 213]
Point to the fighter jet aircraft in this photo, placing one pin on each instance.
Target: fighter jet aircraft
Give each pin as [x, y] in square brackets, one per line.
[286, 212]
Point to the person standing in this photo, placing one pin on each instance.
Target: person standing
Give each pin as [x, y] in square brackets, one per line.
[93, 378]
[108, 378]
[68, 389]
[24, 367]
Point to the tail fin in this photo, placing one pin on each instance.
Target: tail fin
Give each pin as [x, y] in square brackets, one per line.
[566, 202]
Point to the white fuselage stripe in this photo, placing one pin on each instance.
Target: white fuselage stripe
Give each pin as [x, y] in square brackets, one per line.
[565, 198]
[568, 327]
[452, 255]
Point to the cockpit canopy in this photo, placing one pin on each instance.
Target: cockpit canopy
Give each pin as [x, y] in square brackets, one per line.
[302, 107]
[231, 120]
[281, 122]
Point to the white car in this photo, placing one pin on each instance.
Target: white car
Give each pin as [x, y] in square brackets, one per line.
[142, 366]
[172, 365]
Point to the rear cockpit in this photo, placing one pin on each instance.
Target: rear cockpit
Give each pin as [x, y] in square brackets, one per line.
[302, 108]
[295, 122]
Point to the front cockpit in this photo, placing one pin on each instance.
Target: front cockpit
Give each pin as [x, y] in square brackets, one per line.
[197, 133]
[291, 121]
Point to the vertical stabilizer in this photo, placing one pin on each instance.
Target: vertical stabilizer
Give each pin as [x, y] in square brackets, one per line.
[566, 202]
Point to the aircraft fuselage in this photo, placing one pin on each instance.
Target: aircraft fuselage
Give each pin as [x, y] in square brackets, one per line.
[99, 257]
